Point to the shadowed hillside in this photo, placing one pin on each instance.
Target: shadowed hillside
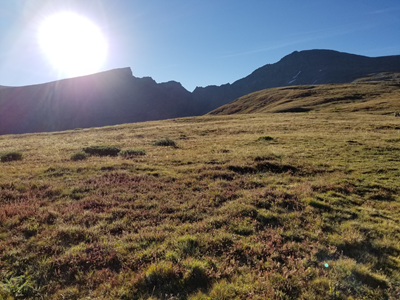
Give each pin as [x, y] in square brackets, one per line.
[116, 97]
[106, 98]
[379, 93]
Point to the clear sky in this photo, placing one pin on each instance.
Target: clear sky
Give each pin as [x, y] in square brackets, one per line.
[198, 42]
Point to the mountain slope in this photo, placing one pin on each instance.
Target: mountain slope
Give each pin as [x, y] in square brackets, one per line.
[106, 98]
[116, 96]
[379, 93]
[299, 68]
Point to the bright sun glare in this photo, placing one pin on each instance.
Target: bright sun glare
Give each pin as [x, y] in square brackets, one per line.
[73, 44]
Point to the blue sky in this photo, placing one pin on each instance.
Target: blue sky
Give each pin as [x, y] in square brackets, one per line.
[199, 42]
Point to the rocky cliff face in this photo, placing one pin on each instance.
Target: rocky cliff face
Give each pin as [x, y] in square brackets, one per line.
[116, 96]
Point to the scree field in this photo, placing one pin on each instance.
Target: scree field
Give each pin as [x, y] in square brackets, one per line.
[257, 206]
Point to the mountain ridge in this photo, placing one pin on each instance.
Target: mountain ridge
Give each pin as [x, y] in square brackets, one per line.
[302, 67]
[116, 96]
[106, 98]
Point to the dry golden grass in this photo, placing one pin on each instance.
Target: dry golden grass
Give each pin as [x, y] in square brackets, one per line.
[223, 215]
[365, 95]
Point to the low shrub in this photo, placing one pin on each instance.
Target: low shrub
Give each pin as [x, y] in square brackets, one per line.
[129, 153]
[165, 142]
[79, 156]
[265, 138]
[102, 150]
[11, 156]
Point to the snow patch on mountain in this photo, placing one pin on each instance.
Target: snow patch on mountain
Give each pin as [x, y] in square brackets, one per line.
[294, 78]
[297, 75]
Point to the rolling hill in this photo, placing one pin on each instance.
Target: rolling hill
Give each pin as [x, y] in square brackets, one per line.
[378, 93]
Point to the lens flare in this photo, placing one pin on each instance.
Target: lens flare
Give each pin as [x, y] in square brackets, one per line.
[73, 44]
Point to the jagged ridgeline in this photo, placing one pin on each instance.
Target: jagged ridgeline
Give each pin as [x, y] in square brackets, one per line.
[116, 96]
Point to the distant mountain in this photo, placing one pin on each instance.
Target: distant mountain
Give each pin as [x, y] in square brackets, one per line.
[379, 93]
[116, 96]
[298, 68]
[106, 98]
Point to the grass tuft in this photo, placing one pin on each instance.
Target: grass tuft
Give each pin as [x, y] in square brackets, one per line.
[130, 153]
[19, 287]
[102, 150]
[164, 142]
[187, 245]
[79, 156]
[11, 156]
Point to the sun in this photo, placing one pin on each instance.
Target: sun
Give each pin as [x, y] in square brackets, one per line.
[73, 44]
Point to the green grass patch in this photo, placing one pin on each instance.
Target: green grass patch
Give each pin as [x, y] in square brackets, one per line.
[19, 287]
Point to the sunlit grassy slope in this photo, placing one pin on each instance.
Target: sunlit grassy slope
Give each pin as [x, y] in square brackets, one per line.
[379, 93]
[256, 206]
